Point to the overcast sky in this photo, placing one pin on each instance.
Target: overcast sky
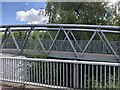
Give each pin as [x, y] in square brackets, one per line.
[23, 13]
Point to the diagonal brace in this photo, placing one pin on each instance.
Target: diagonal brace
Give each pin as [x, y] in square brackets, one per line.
[14, 40]
[88, 43]
[109, 45]
[49, 36]
[75, 41]
[54, 40]
[102, 40]
[70, 42]
[64, 39]
[26, 39]
[4, 37]
[39, 40]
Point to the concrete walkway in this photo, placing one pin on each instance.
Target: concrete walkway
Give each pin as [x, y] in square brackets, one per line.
[12, 88]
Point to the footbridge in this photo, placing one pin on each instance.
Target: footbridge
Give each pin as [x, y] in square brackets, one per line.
[70, 41]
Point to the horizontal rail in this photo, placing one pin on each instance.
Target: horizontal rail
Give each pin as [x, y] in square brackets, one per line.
[63, 61]
[55, 29]
[61, 74]
[66, 26]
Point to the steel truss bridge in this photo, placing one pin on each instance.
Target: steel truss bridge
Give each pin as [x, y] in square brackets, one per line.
[100, 49]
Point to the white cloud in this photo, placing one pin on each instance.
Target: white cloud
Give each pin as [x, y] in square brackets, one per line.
[32, 16]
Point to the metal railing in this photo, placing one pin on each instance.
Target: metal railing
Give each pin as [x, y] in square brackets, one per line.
[68, 30]
[96, 46]
[65, 74]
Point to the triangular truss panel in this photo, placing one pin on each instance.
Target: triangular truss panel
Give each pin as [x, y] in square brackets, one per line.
[70, 41]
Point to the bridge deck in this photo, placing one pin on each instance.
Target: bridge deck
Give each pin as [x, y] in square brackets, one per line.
[86, 56]
[70, 55]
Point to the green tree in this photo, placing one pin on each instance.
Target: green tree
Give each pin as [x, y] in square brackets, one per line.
[77, 12]
[93, 13]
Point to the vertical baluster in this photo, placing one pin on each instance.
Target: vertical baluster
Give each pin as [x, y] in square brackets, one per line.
[109, 75]
[105, 77]
[39, 72]
[45, 72]
[63, 75]
[67, 74]
[96, 76]
[51, 73]
[54, 73]
[85, 76]
[81, 77]
[114, 77]
[88, 76]
[60, 76]
[93, 76]
[101, 76]
[42, 74]
[57, 73]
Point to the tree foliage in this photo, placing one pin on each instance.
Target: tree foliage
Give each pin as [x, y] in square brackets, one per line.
[78, 12]
[92, 13]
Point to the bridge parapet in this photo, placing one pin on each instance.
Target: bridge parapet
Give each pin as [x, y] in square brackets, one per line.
[90, 49]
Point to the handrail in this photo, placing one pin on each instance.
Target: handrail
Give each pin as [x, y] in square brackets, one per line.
[65, 26]
[54, 29]
[63, 61]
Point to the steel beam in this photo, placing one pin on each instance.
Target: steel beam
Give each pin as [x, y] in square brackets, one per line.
[44, 35]
[49, 36]
[39, 41]
[64, 40]
[66, 26]
[75, 41]
[109, 45]
[73, 38]
[26, 39]
[14, 39]
[25, 34]
[102, 40]
[70, 42]
[71, 29]
[4, 37]
[54, 40]
[88, 43]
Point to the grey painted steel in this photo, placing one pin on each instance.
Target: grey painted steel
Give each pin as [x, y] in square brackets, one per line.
[70, 42]
[71, 29]
[14, 39]
[110, 45]
[65, 26]
[24, 43]
[39, 41]
[25, 34]
[102, 40]
[73, 38]
[51, 38]
[3, 38]
[54, 40]
[76, 41]
[17, 70]
[44, 35]
[64, 39]
[88, 43]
